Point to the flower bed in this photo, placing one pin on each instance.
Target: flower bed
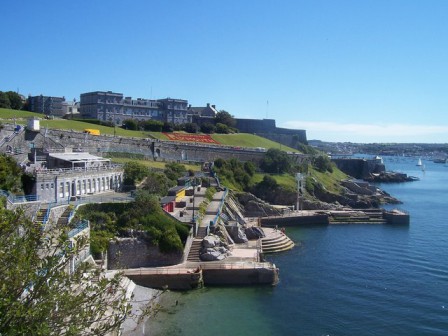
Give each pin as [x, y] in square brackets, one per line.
[204, 138]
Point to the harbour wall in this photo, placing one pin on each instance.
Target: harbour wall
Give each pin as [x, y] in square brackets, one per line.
[243, 276]
[316, 219]
[179, 279]
[359, 168]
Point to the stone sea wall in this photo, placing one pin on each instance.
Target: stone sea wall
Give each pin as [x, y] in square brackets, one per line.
[135, 253]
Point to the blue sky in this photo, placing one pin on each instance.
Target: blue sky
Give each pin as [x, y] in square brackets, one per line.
[359, 71]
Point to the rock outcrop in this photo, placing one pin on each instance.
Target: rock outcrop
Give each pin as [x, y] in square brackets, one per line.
[391, 177]
[213, 248]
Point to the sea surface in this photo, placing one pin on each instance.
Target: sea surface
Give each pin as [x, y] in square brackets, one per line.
[341, 279]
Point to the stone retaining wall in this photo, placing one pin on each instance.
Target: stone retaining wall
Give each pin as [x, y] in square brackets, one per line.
[135, 252]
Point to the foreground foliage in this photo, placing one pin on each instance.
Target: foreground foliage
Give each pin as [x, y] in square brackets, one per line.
[38, 296]
[109, 220]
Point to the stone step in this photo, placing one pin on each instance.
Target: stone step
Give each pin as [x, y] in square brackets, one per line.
[279, 249]
[193, 255]
[277, 243]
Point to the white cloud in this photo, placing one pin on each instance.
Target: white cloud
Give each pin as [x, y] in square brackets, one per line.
[333, 131]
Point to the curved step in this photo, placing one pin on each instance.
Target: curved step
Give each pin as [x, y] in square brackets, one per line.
[276, 243]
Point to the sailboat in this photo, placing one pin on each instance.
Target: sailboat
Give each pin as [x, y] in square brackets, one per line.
[419, 163]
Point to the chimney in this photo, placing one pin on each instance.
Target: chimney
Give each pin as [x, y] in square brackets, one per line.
[208, 104]
[214, 106]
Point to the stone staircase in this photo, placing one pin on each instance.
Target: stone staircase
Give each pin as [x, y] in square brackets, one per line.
[275, 241]
[40, 216]
[63, 220]
[193, 255]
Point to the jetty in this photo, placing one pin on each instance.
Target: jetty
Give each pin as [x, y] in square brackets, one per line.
[327, 217]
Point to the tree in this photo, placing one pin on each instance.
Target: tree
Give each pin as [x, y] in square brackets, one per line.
[275, 161]
[222, 128]
[207, 128]
[4, 100]
[224, 117]
[167, 127]
[152, 125]
[323, 163]
[130, 124]
[15, 100]
[174, 170]
[191, 127]
[157, 183]
[39, 296]
[134, 172]
[10, 174]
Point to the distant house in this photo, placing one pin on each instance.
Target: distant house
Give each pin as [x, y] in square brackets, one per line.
[205, 111]
[204, 114]
[70, 108]
[51, 106]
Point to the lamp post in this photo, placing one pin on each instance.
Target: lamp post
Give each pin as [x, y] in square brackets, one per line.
[193, 183]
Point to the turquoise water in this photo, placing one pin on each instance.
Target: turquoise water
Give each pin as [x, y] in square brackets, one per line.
[342, 279]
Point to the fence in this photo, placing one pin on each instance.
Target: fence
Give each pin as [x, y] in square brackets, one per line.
[18, 198]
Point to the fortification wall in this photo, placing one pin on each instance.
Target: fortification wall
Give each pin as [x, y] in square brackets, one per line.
[152, 149]
[359, 168]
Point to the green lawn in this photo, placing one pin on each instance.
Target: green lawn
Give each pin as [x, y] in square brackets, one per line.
[249, 140]
[287, 181]
[331, 181]
[10, 114]
[154, 164]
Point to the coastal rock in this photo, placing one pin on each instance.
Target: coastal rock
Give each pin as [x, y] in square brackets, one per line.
[212, 256]
[211, 241]
[391, 177]
[213, 249]
[221, 231]
[254, 232]
[237, 234]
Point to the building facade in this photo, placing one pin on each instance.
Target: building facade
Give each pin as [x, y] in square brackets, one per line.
[51, 106]
[72, 175]
[114, 107]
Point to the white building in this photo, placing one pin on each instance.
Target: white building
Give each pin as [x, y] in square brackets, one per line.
[71, 175]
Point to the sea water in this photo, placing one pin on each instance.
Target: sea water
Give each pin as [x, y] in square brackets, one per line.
[341, 279]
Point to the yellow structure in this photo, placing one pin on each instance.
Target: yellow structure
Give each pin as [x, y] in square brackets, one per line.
[92, 131]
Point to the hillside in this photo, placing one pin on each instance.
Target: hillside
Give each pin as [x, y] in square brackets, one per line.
[234, 140]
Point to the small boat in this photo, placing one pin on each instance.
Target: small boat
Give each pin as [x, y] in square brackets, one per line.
[439, 160]
[419, 163]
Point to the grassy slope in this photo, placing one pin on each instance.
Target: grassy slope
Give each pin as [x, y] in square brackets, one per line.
[154, 164]
[236, 140]
[249, 140]
[331, 181]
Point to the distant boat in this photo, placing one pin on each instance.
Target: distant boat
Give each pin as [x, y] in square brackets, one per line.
[439, 160]
[419, 163]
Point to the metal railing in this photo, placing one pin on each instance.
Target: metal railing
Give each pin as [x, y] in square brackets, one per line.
[221, 204]
[237, 265]
[80, 226]
[155, 270]
[18, 198]
[77, 170]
